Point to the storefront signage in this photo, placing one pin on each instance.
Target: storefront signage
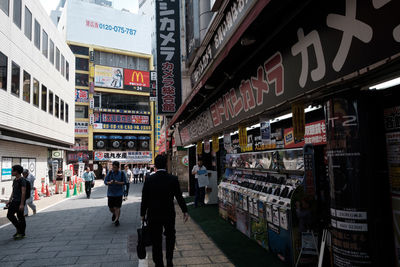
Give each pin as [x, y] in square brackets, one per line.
[199, 148]
[168, 56]
[227, 141]
[57, 154]
[313, 51]
[315, 133]
[81, 127]
[6, 164]
[233, 16]
[215, 143]
[111, 110]
[136, 80]
[185, 160]
[91, 103]
[108, 77]
[83, 156]
[91, 119]
[242, 137]
[131, 156]
[120, 126]
[119, 118]
[298, 121]
[81, 96]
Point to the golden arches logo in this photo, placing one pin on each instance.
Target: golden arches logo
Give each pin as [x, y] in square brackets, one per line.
[137, 74]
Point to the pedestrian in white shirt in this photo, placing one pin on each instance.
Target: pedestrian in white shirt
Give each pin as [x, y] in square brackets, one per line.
[142, 173]
[135, 174]
[29, 202]
[201, 177]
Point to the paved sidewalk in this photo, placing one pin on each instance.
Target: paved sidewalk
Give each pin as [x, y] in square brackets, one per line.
[76, 232]
[193, 247]
[45, 202]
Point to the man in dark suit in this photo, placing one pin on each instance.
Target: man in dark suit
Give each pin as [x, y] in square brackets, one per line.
[158, 195]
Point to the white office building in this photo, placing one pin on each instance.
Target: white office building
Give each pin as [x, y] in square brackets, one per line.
[37, 75]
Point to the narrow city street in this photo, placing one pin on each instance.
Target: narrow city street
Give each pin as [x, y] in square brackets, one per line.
[77, 232]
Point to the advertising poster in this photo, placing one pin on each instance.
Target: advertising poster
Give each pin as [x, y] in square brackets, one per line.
[242, 137]
[108, 77]
[259, 231]
[350, 237]
[265, 131]
[137, 80]
[315, 133]
[215, 143]
[6, 164]
[227, 141]
[81, 96]
[207, 146]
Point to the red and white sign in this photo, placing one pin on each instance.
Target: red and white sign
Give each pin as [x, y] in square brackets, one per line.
[81, 127]
[315, 133]
[137, 78]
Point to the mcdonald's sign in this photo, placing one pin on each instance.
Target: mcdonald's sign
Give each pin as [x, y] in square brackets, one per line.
[136, 78]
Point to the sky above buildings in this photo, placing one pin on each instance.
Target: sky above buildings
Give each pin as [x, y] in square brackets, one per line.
[131, 5]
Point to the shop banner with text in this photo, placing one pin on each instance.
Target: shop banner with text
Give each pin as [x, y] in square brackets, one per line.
[315, 133]
[119, 118]
[128, 156]
[316, 48]
[137, 80]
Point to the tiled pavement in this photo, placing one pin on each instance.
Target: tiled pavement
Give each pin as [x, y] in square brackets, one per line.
[79, 232]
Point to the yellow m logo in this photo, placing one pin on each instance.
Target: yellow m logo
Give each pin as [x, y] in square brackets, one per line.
[137, 74]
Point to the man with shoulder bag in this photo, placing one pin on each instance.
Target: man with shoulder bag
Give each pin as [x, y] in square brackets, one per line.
[88, 177]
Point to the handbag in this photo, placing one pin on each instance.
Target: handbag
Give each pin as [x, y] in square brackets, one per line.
[144, 240]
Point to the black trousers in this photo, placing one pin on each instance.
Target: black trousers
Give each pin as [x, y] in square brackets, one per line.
[19, 223]
[156, 228]
[135, 178]
[88, 188]
[141, 178]
[200, 193]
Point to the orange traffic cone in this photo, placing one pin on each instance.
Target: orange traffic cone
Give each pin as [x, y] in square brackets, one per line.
[47, 191]
[65, 187]
[36, 195]
[42, 188]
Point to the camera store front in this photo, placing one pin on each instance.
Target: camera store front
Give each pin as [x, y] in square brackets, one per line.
[306, 140]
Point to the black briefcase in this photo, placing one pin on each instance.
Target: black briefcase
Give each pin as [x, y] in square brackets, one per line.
[144, 240]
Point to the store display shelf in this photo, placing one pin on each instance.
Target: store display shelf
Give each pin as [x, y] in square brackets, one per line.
[291, 172]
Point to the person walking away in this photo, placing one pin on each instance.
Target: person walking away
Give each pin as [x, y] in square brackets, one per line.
[103, 172]
[200, 175]
[135, 174]
[157, 204]
[29, 202]
[128, 175]
[59, 180]
[88, 177]
[142, 172]
[115, 180]
[16, 202]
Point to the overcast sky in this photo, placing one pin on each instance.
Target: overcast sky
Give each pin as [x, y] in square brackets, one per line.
[131, 5]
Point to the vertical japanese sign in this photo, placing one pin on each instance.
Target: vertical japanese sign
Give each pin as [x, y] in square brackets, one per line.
[215, 143]
[168, 56]
[199, 148]
[242, 137]
[227, 141]
[299, 121]
[207, 146]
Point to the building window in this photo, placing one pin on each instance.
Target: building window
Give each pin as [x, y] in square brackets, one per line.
[4, 5]
[62, 65]
[17, 13]
[57, 59]
[51, 102]
[57, 107]
[45, 44]
[81, 79]
[3, 71]
[26, 91]
[121, 101]
[28, 23]
[37, 34]
[51, 57]
[62, 110]
[35, 92]
[122, 61]
[79, 50]
[15, 79]
[67, 70]
[82, 64]
[66, 112]
[81, 112]
[44, 98]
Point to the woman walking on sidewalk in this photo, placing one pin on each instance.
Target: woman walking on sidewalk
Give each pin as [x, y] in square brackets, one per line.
[88, 176]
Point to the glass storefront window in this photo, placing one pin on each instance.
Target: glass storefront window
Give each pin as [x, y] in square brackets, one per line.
[82, 64]
[81, 79]
[79, 50]
[120, 101]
